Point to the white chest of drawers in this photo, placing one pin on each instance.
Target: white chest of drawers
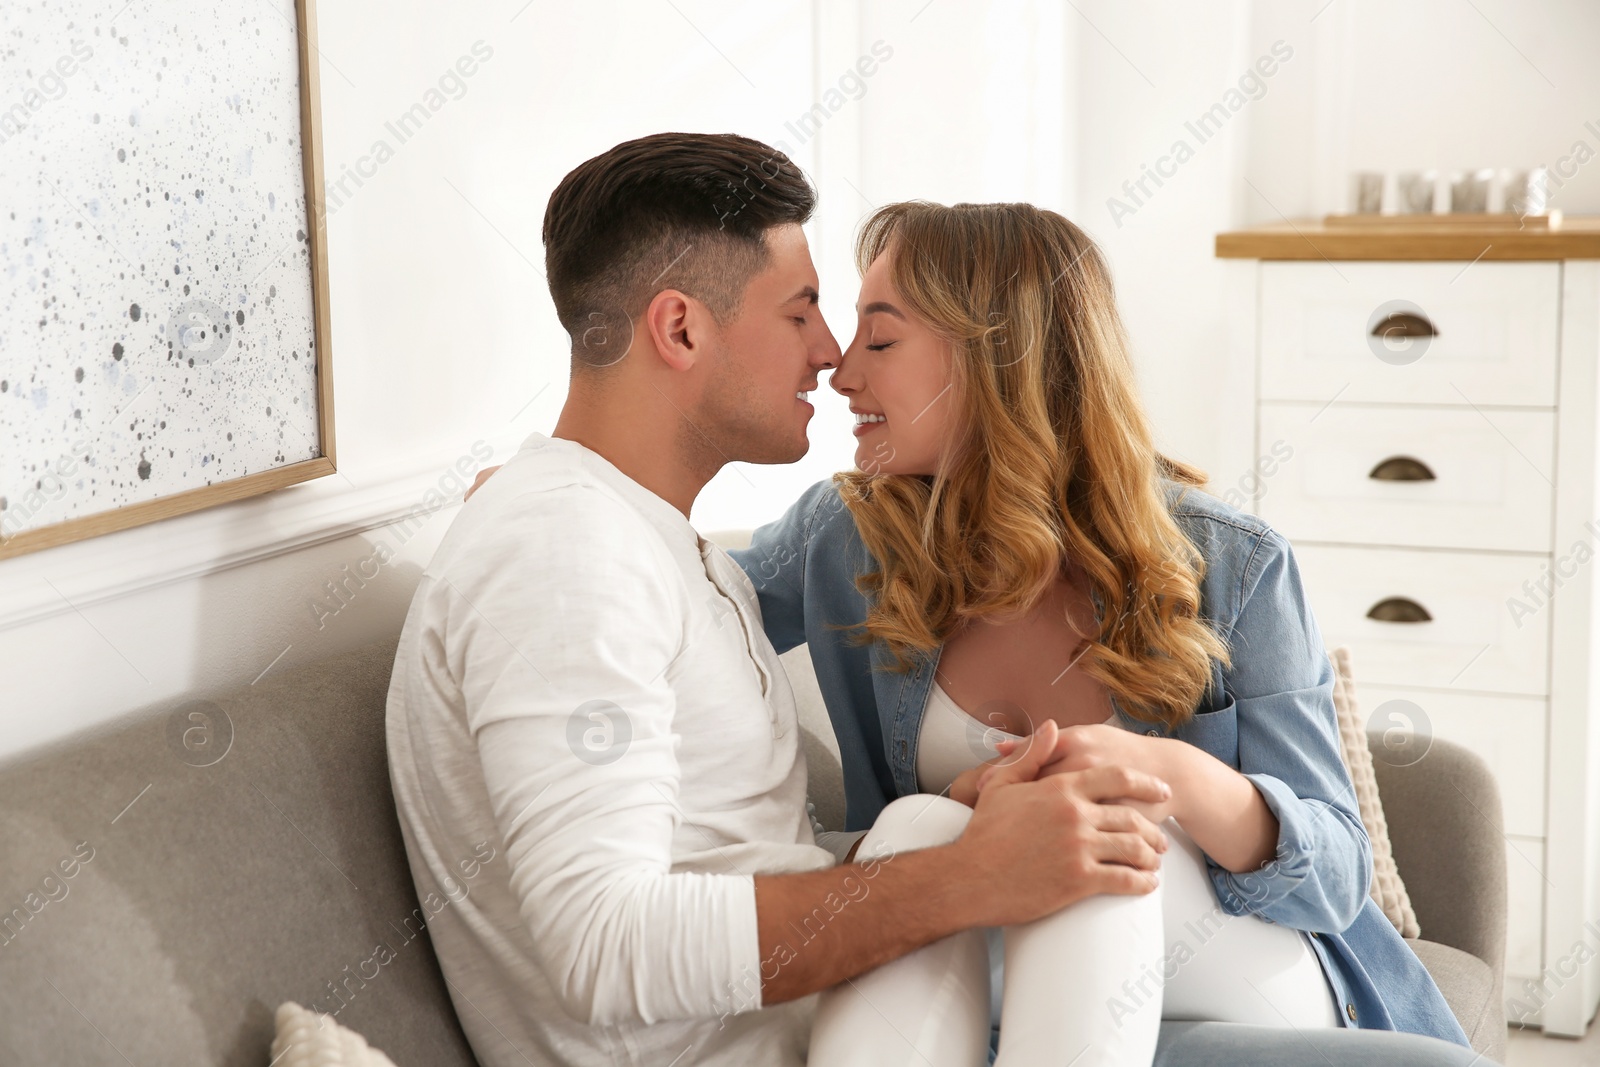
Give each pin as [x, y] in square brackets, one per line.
[1417, 412]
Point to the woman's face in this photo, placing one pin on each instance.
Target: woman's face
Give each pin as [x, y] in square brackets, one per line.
[897, 375]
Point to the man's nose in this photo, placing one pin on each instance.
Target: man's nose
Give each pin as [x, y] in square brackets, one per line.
[826, 353]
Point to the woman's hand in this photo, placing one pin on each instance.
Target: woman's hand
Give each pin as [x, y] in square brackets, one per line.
[1080, 748]
[965, 787]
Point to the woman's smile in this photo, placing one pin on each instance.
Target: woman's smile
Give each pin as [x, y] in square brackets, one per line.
[867, 421]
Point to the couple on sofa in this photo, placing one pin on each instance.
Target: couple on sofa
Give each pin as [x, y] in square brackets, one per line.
[1084, 712]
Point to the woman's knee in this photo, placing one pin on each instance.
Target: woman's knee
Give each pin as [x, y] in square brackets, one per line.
[922, 820]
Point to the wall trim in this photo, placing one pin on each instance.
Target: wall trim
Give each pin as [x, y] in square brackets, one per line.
[81, 574]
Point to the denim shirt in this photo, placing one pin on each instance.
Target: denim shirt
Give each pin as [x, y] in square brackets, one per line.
[1270, 716]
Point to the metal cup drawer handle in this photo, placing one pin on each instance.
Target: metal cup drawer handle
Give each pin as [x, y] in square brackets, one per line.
[1399, 609]
[1402, 469]
[1404, 324]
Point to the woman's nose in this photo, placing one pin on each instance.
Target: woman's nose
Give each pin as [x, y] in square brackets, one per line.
[841, 379]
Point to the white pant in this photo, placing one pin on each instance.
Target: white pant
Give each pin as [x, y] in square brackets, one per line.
[1086, 986]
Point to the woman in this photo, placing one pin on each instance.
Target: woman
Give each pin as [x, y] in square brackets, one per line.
[1013, 556]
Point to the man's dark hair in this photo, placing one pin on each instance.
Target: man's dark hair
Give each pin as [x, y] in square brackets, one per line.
[685, 211]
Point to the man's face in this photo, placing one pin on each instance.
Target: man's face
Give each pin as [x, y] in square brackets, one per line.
[770, 353]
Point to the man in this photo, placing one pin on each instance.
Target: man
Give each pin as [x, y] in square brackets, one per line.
[583, 682]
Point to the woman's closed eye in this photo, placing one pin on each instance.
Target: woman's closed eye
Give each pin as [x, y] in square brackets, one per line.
[879, 347]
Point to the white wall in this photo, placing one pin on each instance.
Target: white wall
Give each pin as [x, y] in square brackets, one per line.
[1439, 83]
[1143, 71]
[443, 334]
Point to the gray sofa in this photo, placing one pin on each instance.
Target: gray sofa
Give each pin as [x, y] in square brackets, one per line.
[230, 853]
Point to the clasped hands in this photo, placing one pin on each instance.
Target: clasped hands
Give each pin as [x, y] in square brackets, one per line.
[1074, 750]
[1065, 815]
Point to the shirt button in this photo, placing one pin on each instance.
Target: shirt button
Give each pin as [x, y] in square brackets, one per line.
[1350, 1010]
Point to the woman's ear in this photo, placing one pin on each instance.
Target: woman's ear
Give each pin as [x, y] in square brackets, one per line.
[674, 324]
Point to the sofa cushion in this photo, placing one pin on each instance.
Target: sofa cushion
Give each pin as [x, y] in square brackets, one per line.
[238, 853]
[1469, 987]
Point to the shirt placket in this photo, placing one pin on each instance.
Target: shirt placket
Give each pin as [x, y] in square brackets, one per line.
[720, 581]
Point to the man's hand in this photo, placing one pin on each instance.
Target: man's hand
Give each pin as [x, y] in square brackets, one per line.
[1080, 748]
[1030, 849]
[482, 477]
[1053, 840]
[1215, 804]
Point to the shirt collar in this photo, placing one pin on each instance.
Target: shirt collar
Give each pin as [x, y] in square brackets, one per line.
[668, 519]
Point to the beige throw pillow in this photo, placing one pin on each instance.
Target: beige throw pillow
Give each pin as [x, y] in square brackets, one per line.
[1387, 888]
[309, 1039]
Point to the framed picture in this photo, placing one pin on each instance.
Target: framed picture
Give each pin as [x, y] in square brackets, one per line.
[164, 332]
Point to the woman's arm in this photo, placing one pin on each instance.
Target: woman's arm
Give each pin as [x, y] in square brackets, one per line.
[1220, 808]
[1282, 833]
[1281, 686]
[1215, 804]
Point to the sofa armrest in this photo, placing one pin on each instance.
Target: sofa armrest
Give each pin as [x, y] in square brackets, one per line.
[1448, 834]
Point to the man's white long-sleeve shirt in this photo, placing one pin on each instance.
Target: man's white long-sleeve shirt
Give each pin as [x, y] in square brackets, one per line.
[584, 684]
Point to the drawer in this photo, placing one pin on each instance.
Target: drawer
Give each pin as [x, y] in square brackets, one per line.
[1479, 480]
[1494, 332]
[1524, 907]
[1507, 732]
[1469, 639]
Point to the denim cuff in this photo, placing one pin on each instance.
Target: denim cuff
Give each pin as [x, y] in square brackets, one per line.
[1255, 892]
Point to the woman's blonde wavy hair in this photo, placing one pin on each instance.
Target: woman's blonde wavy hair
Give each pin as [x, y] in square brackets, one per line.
[1052, 459]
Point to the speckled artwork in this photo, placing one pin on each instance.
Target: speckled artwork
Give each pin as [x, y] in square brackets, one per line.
[157, 329]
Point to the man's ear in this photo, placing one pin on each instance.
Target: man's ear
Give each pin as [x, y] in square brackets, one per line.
[676, 325]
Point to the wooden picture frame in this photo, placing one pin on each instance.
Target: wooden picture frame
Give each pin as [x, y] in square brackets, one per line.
[257, 482]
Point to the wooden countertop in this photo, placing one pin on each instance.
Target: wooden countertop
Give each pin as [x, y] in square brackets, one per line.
[1578, 237]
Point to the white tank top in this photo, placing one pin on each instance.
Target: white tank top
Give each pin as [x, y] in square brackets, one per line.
[951, 741]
